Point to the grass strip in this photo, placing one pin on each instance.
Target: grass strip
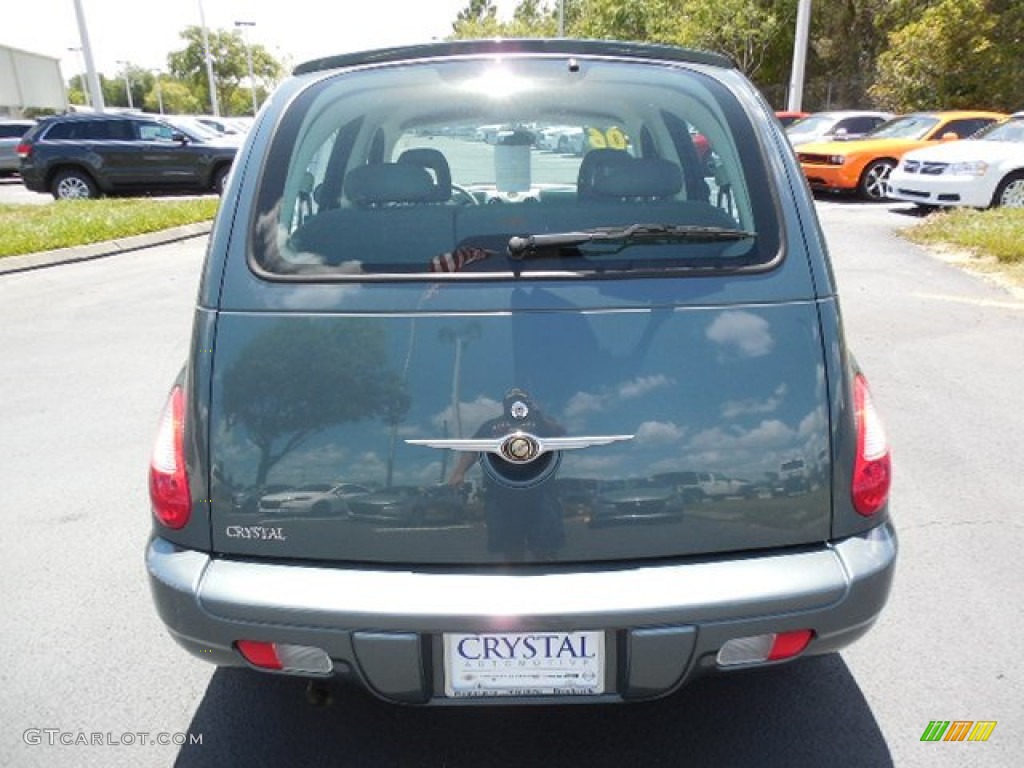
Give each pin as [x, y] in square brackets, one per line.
[67, 223]
[997, 232]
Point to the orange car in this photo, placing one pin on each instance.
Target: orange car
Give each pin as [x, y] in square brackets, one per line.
[863, 165]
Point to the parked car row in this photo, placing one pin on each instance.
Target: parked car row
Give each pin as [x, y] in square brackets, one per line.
[916, 157]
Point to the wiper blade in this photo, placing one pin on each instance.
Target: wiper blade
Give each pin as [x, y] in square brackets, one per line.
[528, 245]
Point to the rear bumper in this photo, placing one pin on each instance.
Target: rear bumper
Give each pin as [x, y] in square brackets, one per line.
[664, 624]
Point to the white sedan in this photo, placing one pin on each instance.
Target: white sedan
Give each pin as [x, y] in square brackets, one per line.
[985, 170]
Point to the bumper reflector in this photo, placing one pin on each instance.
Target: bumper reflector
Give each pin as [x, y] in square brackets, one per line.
[296, 659]
[759, 648]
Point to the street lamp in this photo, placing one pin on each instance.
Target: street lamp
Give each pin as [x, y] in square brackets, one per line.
[248, 59]
[94, 81]
[214, 105]
[127, 83]
[159, 93]
[85, 86]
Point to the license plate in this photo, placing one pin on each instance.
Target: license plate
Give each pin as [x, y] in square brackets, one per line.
[524, 664]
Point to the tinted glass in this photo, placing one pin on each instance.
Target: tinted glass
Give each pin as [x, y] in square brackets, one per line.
[1011, 130]
[909, 127]
[964, 128]
[13, 131]
[858, 124]
[155, 132]
[59, 131]
[432, 168]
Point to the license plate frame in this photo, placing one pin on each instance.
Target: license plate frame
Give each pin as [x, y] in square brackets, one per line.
[524, 664]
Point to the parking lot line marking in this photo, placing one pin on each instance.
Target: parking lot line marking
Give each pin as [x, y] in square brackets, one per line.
[975, 302]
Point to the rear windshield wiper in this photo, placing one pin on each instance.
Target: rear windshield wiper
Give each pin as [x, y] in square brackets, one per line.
[530, 245]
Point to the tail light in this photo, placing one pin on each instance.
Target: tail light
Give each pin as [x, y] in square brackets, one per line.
[760, 648]
[872, 469]
[24, 149]
[285, 657]
[168, 482]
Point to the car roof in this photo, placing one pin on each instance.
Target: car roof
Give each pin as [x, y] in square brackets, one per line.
[86, 116]
[515, 45]
[848, 112]
[953, 113]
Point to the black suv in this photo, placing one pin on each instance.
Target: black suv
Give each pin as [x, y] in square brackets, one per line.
[89, 155]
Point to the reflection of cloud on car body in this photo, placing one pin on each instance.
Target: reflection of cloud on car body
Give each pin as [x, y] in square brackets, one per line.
[735, 408]
[744, 332]
[583, 403]
[473, 414]
[643, 385]
[659, 432]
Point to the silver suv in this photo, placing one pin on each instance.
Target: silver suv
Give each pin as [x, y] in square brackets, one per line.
[11, 132]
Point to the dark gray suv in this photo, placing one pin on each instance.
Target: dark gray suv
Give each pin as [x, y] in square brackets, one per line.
[87, 155]
[571, 381]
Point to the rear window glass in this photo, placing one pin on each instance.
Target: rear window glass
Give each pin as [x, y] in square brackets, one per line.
[13, 131]
[514, 165]
[94, 130]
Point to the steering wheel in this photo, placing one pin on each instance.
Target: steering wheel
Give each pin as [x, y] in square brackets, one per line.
[463, 196]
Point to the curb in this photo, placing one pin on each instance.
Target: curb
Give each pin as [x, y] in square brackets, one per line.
[13, 264]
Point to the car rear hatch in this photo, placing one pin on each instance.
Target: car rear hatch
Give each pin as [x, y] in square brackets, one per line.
[557, 404]
[649, 395]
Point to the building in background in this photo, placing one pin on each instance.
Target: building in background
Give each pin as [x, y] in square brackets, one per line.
[30, 81]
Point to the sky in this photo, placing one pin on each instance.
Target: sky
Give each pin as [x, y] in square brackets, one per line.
[293, 31]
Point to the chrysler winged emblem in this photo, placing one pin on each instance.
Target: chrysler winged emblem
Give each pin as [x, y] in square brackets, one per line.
[520, 447]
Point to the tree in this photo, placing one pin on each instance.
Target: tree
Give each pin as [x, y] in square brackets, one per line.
[743, 30]
[638, 20]
[300, 377]
[177, 97]
[958, 53]
[230, 68]
[531, 18]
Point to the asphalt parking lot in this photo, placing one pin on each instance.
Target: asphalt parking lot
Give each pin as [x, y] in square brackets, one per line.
[13, 192]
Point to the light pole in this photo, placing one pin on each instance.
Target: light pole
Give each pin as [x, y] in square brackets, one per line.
[214, 105]
[795, 97]
[159, 93]
[94, 80]
[248, 59]
[85, 87]
[127, 83]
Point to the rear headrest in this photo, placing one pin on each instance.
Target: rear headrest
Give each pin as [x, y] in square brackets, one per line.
[433, 160]
[640, 177]
[598, 162]
[389, 183]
